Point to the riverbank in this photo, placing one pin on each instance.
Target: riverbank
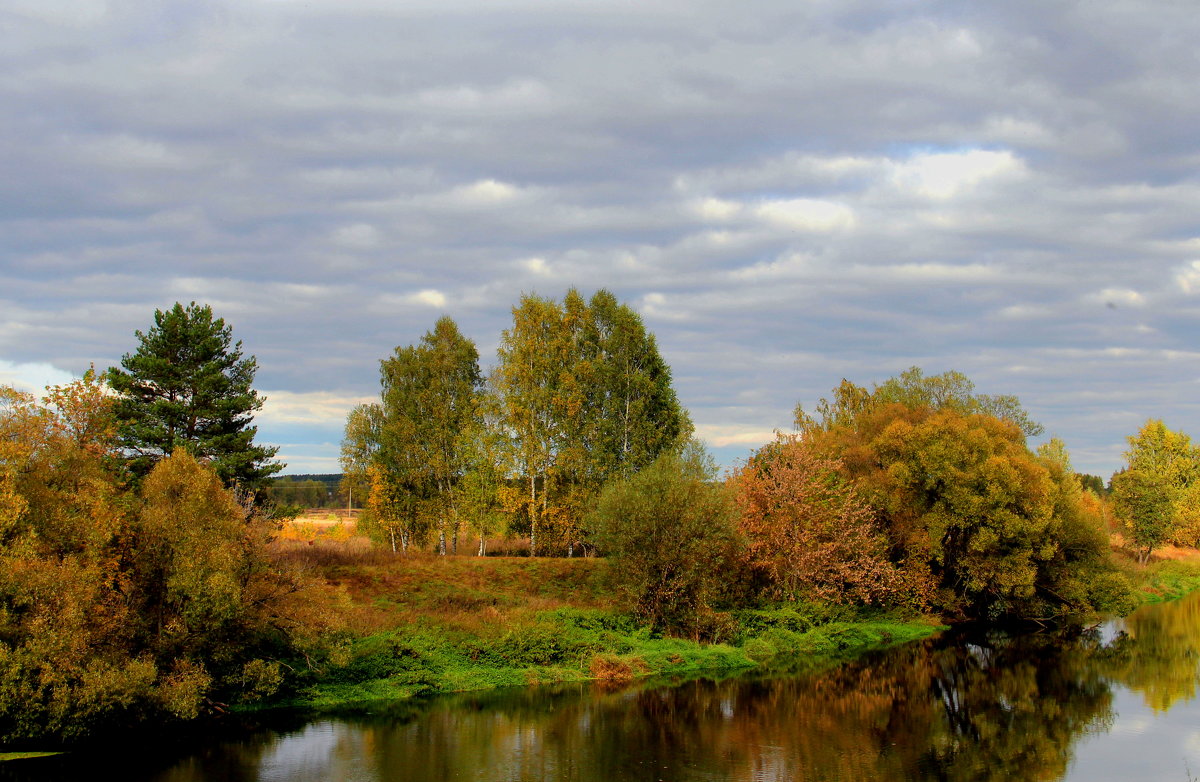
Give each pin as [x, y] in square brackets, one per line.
[1169, 580]
[422, 624]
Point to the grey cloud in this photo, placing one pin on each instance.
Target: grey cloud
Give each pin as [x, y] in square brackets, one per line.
[791, 194]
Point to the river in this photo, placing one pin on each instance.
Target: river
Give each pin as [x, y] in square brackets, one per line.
[1115, 702]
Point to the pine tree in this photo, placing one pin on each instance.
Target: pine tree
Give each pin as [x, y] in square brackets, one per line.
[188, 386]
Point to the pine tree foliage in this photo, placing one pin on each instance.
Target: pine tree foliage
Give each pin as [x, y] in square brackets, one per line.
[188, 386]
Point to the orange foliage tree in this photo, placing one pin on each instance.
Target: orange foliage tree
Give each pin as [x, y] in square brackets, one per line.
[117, 606]
[980, 524]
[807, 529]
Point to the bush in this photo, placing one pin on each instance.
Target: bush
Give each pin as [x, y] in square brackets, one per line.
[670, 530]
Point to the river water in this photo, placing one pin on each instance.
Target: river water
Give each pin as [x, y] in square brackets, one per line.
[1116, 702]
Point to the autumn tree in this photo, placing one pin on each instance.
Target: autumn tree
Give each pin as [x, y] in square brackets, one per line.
[632, 406]
[1166, 462]
[449, 407]
[670, 531]
[118, 606]
[485, 496]
[407, 447]
[532, 359]
[807, 529]
[1146, 503]
[188, 386]
[585, 397]
[914, 389]
[987, 525]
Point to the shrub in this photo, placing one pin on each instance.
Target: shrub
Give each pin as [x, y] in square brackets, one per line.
[670, 531]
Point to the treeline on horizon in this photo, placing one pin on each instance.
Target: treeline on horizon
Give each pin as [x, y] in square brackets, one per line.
[308, 490]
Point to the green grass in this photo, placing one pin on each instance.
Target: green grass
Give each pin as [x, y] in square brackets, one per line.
[1168, 580]
[569, 644]
[423, 624]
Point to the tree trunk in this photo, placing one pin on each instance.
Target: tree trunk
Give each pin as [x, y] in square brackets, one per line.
[482, 546]
[532, 513]
[454, 520]
[625, 429]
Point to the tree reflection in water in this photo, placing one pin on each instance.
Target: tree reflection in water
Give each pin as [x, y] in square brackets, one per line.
[959, 707]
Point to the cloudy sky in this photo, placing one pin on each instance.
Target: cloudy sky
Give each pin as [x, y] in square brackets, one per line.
[789, 192]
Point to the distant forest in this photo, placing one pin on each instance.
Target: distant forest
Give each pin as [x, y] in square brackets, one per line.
[311, 490]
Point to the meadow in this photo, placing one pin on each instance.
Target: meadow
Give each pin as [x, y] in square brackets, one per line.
[425, 623]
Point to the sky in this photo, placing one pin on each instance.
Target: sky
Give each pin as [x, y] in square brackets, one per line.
[790, 193]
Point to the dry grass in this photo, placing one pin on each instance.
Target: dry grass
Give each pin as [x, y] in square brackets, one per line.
[1163, 553]
[473, 594]
[324, 517]
[321, 555]
[606, 666]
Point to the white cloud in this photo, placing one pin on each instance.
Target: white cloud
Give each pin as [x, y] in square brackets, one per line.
[943, 175]
[1188, 278]
[485, 192]
[313, 408]
[724, 435]
[537, 266]
[310, 458]
[806, 214]
[1011, 130]
[430, 298]
[358, 236]
[716, 209]
[1025, 312]
[61, 12]
[32, 377]
[126, 151]
[515, 95]
[933, 272]
[788, 266]
[1125, 297]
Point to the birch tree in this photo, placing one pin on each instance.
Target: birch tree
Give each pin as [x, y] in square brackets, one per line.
[485, 450]
[428, 392]
[532, 358]
[409, 443]
[586, 397]
[636, 412]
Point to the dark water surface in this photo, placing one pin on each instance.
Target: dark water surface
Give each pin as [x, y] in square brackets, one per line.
[1117, 702]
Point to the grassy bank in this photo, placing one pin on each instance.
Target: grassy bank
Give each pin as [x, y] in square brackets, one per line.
[1172, 572]
[1168, 580]
[424, 624]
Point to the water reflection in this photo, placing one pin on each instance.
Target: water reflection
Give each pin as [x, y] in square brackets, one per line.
[1158, 655]
[960, 707]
